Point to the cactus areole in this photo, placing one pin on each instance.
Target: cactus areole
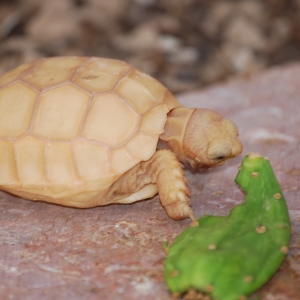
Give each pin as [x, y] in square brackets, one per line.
[231, 257]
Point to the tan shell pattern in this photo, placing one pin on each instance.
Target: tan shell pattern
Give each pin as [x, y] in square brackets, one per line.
[71, 126]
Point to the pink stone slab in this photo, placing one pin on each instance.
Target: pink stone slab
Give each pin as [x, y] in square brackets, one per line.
[115, 252]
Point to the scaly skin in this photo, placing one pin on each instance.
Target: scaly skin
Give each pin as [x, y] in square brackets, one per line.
[163, 174]
[231, 257]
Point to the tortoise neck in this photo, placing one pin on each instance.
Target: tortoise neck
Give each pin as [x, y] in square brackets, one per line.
[174, 131]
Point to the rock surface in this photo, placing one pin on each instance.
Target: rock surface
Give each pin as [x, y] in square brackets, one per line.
[115, 252]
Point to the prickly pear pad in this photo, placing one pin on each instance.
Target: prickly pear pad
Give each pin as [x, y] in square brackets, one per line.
[231, 257]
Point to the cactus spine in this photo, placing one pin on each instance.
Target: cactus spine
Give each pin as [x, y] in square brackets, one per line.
[231, 257]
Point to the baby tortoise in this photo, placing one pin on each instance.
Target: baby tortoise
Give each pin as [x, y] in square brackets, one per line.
[86, 131]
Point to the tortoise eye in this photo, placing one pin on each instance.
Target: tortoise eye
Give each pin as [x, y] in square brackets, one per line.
[220, 157]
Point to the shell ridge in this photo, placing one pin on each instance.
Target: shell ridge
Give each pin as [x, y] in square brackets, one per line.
[77, 167]
[127, 103]
[79, 87]
[77, 69]
[155, 105]
[95, 142]
[111, 146]
[53, 87]
[40, 138]
[130, 70]
[78, 181]
[135, 156]
[14, 82]
[16, 164]
[128, 139]
[131, 154]
[57, 140]
[45, 181]
[36, 104]
[34, 65]
[34, 87]
[16, 79]
[138, 123]
[88, 108]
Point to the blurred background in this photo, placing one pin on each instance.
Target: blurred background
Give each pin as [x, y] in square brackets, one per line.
[186, 44]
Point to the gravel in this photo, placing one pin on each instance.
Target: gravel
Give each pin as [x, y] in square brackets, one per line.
[186, 44]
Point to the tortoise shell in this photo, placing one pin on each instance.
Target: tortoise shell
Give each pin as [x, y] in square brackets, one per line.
[71, 126]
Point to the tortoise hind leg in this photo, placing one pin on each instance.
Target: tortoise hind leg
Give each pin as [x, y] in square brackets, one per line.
[163, 173]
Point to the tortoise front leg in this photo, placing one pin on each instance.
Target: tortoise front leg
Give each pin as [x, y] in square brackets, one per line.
[166, 171]
[163, 173]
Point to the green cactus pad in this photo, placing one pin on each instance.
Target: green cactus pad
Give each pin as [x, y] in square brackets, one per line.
[230, 257]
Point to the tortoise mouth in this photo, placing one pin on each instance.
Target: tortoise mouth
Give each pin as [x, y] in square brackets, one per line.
[196, 164]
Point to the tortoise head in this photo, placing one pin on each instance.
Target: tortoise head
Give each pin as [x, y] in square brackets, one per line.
[201, 137]
[210, 139]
